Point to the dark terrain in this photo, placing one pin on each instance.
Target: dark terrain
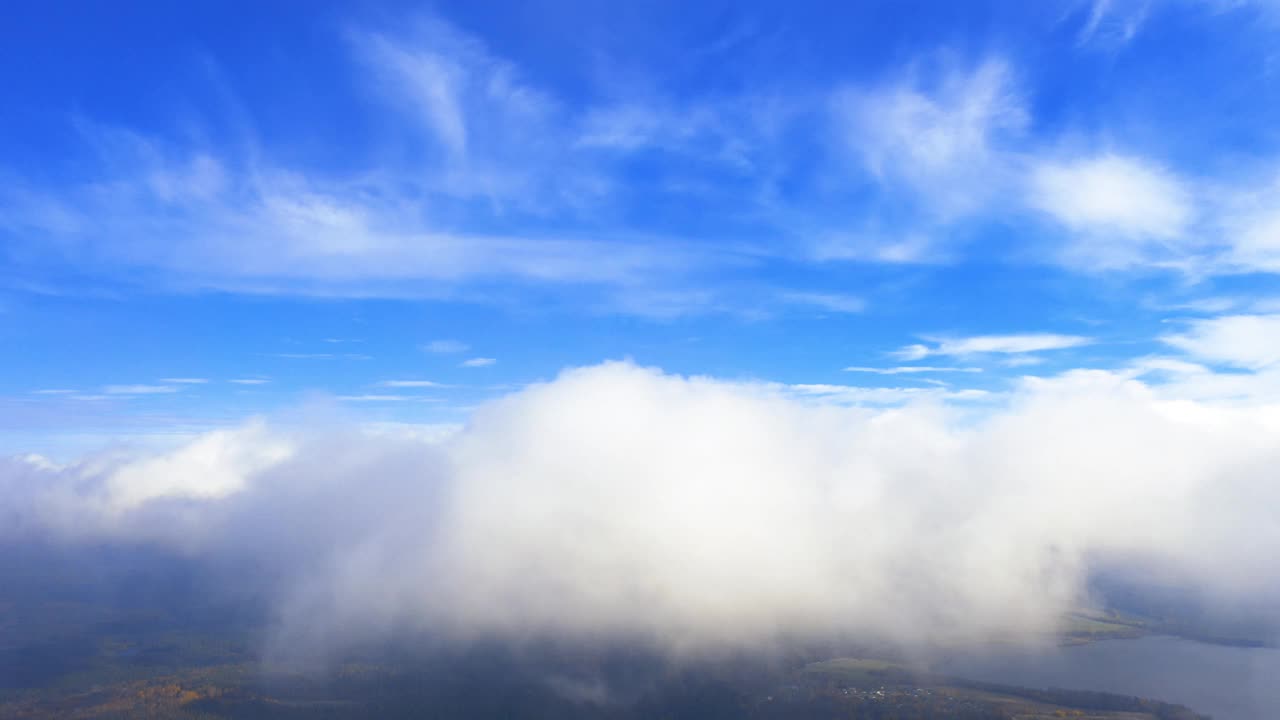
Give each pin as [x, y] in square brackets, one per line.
[122, 633]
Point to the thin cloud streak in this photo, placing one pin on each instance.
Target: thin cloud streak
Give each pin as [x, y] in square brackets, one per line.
[410, 384]
[139, 389]
[911, 369]
[1015, 344]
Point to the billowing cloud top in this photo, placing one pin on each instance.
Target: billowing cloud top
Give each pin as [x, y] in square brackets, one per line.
[619, 501]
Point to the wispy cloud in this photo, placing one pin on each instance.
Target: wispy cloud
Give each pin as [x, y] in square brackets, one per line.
[499, 181]
[249, 381]
[446, 346]
[939, 135]
[410, 384]
[831, 302]
[1113, 23]
[244, 225]
[989, 344]
[53, 391]
[380, 397]
[139, 389]
[912, 247]
[861, 395]
[911, 369]
[1245, 341]
[478, 362]
[323, 356]
[185, 381]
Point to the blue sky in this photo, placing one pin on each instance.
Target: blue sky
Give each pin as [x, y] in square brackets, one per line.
[398, 211]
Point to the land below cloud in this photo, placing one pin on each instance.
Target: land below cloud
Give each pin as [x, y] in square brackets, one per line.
[64, 656]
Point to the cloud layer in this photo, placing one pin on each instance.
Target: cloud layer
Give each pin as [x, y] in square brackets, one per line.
[622, 502]
[486, 178]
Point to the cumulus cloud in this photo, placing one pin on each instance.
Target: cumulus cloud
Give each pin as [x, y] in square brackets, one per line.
[1113, 192]
[212, 466]
[1122, 210]
[618, 501]
[1246, 341]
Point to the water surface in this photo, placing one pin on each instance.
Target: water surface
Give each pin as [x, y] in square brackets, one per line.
[1229, 683]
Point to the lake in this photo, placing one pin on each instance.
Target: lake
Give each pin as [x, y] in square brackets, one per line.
[1229, 683]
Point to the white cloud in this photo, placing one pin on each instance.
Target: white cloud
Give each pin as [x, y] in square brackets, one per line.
[633, 126]
[496, 155]
[139, 389]
[185, 381]
[910, 369]
[915, 248]
[1015, 361]
[1247, 341]
[213, 466]
[1016, 344]
[53, 391]
[245, 224]
[410, 384]
[943, 139]
[658, 303]
[1251, 223]
[1113, 22]
[1121, 210]
[1113, 193]
[478, 362]
[431, 80]
[1172, 366]
[620, 502]
[446, 346]
[323, 356]
[911, 353]
[497, 132]
[831, 302]
[1257, 246]
[249, 381]
[862, 395]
